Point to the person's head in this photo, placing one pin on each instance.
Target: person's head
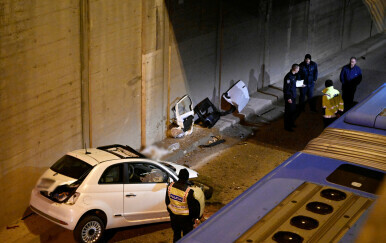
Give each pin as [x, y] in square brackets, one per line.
[328, 83]
[353, 61]
[183, 175]
[295, 68]
[307, 58]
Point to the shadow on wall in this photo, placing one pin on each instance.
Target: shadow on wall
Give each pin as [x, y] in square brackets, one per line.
[255, 41]
[264, 78]
[212, 56]
[15, 189]
[253, 82]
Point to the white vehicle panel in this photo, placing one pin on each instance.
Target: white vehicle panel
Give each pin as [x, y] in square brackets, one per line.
[238, 95]
[50, 180]
[144, 201]
[55, 212]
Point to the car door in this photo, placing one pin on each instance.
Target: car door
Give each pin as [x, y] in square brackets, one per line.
[109, 190]
[144, 193]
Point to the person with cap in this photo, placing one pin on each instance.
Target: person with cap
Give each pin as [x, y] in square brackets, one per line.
[350, 77]
[308, 71]
[183, 208]
[332, 103]
[289, 90]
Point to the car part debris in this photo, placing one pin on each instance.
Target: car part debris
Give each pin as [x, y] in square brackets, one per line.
[213, 142]
[237, 95]
[208, 190]
[174, 146]
[207, 113]
[12, 227]
[184, 117]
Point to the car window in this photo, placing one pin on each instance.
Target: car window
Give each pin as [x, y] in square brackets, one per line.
[146, 173]
[71, 167]
[112, 175]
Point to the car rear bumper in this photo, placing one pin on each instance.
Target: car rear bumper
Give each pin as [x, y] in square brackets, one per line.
[64, 215]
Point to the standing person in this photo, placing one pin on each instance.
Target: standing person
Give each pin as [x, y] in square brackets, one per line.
[350, 77]
[308, 71]
[289, 90]
[332, 103]
[183, 208]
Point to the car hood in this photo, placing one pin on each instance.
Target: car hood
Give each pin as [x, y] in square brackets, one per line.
[51, 179]
[192, 173]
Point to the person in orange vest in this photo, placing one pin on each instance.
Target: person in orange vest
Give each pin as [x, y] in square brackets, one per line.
[183, 208]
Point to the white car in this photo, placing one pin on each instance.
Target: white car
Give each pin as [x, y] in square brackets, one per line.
[113, 186]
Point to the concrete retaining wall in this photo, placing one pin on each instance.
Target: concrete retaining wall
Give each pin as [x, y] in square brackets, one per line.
[40, 99]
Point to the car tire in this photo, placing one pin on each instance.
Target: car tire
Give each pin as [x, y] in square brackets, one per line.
[90, 229]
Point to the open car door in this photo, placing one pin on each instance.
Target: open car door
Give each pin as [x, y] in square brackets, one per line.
[185, 114]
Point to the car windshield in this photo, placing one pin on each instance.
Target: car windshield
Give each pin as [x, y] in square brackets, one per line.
[71, 167]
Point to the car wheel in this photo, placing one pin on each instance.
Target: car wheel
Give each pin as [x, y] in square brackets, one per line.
[89, 229]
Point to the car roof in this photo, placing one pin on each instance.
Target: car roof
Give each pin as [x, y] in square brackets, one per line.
[94, 156]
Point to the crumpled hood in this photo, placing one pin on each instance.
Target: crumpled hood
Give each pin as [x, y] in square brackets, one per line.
[192, 173]
[51, 179]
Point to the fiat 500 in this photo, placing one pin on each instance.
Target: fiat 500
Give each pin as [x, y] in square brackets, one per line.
[91, 190]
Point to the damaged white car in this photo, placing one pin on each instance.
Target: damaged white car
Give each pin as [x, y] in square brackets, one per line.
[113, 186]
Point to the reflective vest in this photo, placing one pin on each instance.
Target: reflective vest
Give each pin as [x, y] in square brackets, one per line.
[178, 200]
[332, 102]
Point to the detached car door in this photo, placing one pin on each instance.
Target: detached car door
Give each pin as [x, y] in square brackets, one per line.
[144, 193]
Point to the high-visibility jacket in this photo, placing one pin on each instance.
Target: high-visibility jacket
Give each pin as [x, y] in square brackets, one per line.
[178, 200]
[332, 102]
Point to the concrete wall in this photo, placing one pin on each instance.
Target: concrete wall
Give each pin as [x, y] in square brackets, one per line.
[115, 72]
[258, 41]
[108, 71]
[39, 94]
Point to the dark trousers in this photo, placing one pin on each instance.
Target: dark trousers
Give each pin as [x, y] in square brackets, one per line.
[309, 92]
[348, 92]
[180, 224]
[289, 114]
[328, 121]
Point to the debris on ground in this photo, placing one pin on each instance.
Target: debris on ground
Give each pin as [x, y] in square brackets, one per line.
[12, 227]
[173, 147]
[215, 140]
[242, 143]
[207, 113]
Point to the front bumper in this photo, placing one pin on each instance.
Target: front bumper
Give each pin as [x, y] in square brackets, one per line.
[61, 214]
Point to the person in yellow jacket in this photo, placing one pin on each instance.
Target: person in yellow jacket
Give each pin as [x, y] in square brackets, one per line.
[183, 208]
[332, 103]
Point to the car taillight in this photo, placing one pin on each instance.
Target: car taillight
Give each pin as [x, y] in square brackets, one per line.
[72, 200]
[65, 193]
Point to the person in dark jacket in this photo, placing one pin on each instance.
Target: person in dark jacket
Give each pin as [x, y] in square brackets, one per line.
[308, 71]
[183, 208]
[350, 77]
[289, 90]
